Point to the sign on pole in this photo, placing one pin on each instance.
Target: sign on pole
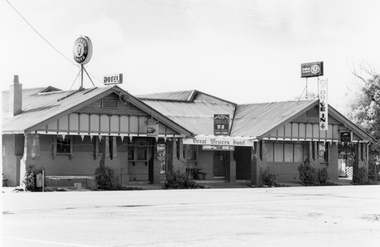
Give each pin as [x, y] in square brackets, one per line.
[311, 69]
[323, 105]
[221, 124]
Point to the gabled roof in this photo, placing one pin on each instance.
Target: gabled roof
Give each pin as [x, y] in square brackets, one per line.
[187, 112]
[39, 109]
[183, 96]
[196, 113]
[256, 120]
[195, 110]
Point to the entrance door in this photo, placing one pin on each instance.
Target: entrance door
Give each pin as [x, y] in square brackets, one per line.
[242, 157]
[221, 159]
[138, 166]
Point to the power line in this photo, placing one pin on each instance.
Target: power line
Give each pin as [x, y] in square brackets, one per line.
[40, 34]
[47, 40]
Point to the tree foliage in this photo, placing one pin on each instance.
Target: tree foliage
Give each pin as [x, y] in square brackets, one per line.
[365, 111]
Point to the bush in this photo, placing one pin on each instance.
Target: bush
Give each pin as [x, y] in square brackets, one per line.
[269, 178]
[307, 173]
[360, 176]
[103, 178]
[373, 171]
[30, 179]
[175, 180]
[323, 175]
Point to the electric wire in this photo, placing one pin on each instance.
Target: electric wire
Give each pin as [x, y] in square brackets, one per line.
[35, 30]
[30, 25]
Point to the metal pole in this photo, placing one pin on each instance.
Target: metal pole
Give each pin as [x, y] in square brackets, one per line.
[81, 77]
[306, 89]
[43, 179]
[318, 86]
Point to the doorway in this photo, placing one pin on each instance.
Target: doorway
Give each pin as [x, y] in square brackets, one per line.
[138, 160]
[220, 164]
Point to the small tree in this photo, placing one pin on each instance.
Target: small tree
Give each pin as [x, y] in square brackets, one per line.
[30, 179]
[365, 109]
[103, 177]
[307, 173]
[269, 178]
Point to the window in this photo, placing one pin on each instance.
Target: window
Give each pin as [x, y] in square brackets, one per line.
[63, 145]
[141, 151]
[192, 152]
[278, 152]
[285, 151]
[269, 151]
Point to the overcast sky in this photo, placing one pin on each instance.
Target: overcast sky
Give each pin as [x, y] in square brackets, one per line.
[241, 51]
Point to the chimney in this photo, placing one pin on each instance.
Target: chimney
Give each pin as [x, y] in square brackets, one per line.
[15, 97]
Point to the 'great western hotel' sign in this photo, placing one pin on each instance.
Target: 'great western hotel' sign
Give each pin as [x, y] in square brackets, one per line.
[226, 141]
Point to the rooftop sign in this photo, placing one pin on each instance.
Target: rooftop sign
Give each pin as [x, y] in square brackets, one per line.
[312, 69]
[82, 50]
[113, 79]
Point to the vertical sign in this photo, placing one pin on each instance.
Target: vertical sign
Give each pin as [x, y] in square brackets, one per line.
[221, 124]
[323, 105]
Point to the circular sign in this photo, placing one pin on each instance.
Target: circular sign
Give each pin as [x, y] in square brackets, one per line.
[315, 69]
[82, 50]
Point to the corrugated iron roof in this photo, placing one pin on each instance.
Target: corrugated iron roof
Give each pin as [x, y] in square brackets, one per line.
[190, 112]
[250, 120]
[196, 115]
[169, 96]
[38, 107]
[257, 119]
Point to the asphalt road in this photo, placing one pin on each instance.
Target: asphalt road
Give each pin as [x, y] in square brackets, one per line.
[291, 216]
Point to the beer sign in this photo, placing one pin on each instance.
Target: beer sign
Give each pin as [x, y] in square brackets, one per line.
[311, 69]
[82, 50]
[221, 124]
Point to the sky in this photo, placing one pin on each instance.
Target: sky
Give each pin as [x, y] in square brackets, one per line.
[241, 51]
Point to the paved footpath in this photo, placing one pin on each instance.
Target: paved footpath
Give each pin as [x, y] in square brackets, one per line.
[287, 216]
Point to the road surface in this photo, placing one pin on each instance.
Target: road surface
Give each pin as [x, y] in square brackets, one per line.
[286, 216]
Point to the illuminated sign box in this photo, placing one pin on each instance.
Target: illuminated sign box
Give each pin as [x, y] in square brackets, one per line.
[217, 148]
[221, 124]
[113, 79]
[346, 136]
[311, 69]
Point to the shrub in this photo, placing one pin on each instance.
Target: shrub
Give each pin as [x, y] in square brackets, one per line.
[30, 179]
[103, 178]
[175, 180]
[373, 171]
[307, 173]
[323, 175]
[269, 178]
[359, 177]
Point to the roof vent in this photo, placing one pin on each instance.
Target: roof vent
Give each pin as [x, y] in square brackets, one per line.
[49, 89]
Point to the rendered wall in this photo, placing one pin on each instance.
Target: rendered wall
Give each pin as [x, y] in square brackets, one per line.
[205, 161]
[12, 154]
